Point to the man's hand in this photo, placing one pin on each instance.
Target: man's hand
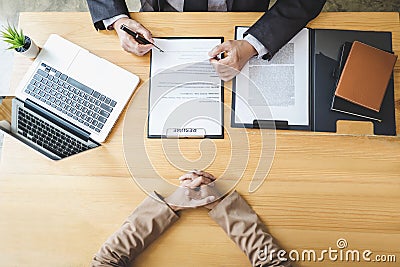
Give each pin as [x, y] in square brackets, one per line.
[238, 52]
[128, 43]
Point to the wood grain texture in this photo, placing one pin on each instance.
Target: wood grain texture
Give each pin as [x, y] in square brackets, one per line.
[5, 109]
[321, 187]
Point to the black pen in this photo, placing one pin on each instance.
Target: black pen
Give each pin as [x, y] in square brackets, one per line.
[138, 37]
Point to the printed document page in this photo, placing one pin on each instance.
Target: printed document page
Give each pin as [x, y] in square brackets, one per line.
[186, 93]
[282, 84]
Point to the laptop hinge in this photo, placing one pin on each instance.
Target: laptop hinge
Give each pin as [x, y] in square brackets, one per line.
[57, 120]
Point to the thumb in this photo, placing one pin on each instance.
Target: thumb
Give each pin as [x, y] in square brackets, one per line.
[224, 47]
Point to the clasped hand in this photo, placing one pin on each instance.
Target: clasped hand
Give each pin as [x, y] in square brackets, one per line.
[237, 52]
[197, 189]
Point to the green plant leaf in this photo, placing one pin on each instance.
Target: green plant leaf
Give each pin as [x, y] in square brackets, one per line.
[13, 45]
[10, 41]
[6, 35]
[12, 32]
[12, 36]
[21, 40]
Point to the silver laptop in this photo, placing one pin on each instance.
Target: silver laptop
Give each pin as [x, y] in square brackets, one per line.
[68, 97]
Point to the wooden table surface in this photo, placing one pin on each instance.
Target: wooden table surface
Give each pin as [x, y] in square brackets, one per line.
[321, 187]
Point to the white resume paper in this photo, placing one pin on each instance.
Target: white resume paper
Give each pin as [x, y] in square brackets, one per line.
[276, 90]
[186, 94]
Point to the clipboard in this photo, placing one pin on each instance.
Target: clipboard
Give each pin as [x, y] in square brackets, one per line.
[260, 118]
[325, 47]
[179, 130]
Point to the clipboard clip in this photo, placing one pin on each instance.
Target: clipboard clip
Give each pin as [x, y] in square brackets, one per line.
[270, 124]
[186, 133]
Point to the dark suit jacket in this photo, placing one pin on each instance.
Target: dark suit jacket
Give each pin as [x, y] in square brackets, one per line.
[274, 29]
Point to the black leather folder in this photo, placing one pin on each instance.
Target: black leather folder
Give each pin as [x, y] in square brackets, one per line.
[325, 53]
[325, 70]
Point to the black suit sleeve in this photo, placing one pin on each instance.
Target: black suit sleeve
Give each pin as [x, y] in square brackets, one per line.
[104, 9]
[283, 21]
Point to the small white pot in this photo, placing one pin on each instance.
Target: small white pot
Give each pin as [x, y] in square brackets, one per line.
[30, 50]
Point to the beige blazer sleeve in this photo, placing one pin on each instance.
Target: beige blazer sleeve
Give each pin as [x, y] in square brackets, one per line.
[244, 227]
[147, 222]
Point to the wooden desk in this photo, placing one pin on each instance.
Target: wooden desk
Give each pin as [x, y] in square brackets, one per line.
[321, 187]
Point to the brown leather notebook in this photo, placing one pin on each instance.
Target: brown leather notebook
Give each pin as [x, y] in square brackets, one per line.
[366, 75]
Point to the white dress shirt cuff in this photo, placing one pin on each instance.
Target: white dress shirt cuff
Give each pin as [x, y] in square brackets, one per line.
[258, 46]
[108, 23]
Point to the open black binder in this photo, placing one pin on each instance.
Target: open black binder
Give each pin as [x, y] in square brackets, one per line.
[324, 50]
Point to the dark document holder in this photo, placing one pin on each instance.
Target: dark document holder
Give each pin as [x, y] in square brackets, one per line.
[325, 46]
[328, 43]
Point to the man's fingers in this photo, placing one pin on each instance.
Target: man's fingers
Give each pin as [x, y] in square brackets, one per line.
[226, 61]
[216, 51]
[224, 73]
[140, 48]
[224, 47]
[146, 34]
[222, 65]
[219, 68]
[139, 28]
[227, 64]
[143, 49]
[127, 43]
[224, 68]
[214, 62]
[130, 45]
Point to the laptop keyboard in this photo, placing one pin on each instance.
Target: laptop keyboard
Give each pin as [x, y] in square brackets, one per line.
[83, 104]
[47, 136]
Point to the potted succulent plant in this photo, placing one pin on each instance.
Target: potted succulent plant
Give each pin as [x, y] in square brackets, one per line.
[19, 42]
